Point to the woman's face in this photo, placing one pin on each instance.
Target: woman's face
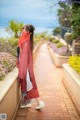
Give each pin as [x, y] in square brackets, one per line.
[24, 27]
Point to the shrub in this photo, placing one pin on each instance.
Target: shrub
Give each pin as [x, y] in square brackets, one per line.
[7, 63]
[74, 62]
[60, 48]
[57, 31]
[8, 45]
[13, 41]
[2, 72]
[51, 38]
[55, 41]
[62, 51]
[60, 45]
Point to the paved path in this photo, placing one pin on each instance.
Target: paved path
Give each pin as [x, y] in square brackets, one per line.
[49, 80]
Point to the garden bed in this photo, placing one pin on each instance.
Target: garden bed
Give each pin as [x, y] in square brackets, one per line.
[58, 55]
[7, 63]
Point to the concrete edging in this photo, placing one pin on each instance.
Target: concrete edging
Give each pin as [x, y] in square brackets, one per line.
[37, 49]
[57, 59]
[9, 94]
[72, 83]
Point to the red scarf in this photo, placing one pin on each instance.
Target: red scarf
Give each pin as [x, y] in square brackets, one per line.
[24, 37]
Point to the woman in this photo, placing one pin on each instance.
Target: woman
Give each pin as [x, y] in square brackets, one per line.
[25, 67]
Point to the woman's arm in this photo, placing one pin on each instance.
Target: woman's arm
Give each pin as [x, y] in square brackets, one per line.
[18, 53]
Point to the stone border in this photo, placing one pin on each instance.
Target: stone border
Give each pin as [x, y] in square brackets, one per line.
[8, 81]
[57, 59]
[36, 49]
[9, 94]
[72, 83]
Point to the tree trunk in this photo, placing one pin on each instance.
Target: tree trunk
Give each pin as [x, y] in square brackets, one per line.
[76, 47]
[16, 35]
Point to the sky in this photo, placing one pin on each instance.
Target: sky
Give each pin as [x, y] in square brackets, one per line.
[35, 12]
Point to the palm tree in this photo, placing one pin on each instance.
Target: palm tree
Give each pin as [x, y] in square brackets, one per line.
[14, 27]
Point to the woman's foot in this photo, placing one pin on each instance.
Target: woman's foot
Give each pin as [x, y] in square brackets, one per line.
[28, 105]
[41, 105]
[25, 104]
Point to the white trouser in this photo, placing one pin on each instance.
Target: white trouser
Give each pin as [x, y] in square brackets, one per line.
[29, 83]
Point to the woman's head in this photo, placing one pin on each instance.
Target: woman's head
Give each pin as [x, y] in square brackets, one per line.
[30, 28]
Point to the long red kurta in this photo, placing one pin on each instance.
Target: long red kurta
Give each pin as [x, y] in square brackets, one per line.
[26, 62]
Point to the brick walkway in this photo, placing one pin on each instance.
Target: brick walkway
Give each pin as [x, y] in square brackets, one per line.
[49, 80]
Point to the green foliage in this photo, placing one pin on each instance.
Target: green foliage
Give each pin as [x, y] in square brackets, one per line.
[8, 45]
[43, 34]
[39, 36]
[64, 14]
[13, 41]
[7, 63]
[75, 21]
[15, 27]
[7, 55]
[56, 31]
[47, 37]
[59, 44]
[55, 41]
[74, 62]
[51, 38]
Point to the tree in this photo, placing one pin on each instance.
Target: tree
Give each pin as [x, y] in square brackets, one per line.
[57, 31]
[75, 21]
[15, 27]
[76, 27]
[64, 14]
[73, 1]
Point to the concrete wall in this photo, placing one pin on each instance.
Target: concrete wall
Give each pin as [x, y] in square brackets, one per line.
[57, 59]
[72, 83]
[9, 94]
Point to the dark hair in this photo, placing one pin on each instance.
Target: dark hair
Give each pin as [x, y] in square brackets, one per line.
[18, 51]
[31, 29]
